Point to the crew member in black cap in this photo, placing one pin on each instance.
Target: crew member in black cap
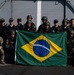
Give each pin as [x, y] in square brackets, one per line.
[10, 27]
[3, 29]
[19, 24]
[64, 26]
[56, 28]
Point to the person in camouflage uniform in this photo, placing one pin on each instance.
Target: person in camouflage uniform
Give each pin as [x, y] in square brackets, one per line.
[47, 28]
[70, 48]
[7, 51]
[29, 27]
[29, 18]
[64, 26]
[72, 24]
[2, 55]
[41, 27]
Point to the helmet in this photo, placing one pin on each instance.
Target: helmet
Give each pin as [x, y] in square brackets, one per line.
[29, 16]
[47, 23]
[2, 20]
[71, 20]
[29, 22]
[65, 20]
[44, 18]
[11, 19]
[19, 19]
[55, 21]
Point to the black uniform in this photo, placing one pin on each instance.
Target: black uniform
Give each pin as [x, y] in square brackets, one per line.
[3, 32]
[19, 26]
[3, 29]
[56, 29]
[9, 29]
[72, 25]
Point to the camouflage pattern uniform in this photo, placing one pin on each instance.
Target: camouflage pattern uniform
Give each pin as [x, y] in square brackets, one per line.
[1, 51]
[70, 47]
[41, 27]
[29, 27]
[72, 24]
[29, 18]
[47, 28]
[3, 29]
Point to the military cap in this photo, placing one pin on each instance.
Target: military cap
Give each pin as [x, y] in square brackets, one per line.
[19, 19]
[44, 18]
[55, 21]
[29, 16]
[2, 20]
[11, 19]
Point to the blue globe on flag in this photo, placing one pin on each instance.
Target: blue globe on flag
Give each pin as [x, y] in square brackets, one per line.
[41, 48]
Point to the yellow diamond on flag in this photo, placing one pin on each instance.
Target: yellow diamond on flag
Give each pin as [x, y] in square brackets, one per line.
[41, 48]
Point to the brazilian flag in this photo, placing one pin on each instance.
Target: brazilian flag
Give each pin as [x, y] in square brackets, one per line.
[41, 49]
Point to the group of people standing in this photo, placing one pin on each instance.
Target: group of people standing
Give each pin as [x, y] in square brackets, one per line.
[8, 35]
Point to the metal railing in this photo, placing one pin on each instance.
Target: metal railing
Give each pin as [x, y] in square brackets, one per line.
[69, 2]
[3, 3]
